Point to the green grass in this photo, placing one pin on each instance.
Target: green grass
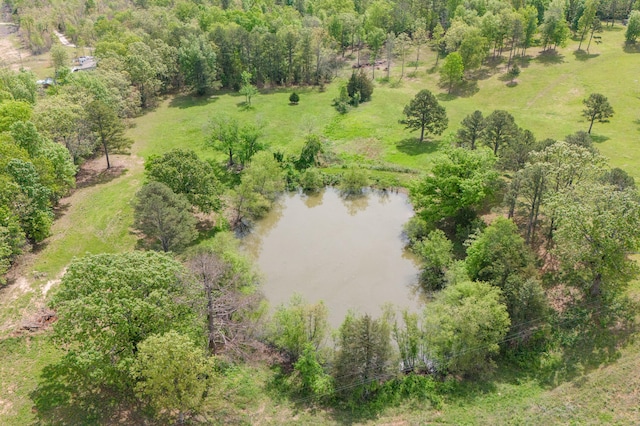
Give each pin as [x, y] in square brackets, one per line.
[546, 100]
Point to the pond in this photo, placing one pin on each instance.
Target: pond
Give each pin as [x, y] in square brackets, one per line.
[348, 253]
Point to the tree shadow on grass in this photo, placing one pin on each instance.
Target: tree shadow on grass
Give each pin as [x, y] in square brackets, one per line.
[599, 138]
[631, 48]
[188, 101]
[549, 57]
[582, 55]
[464, 89]
[59, 400]
[413, 146]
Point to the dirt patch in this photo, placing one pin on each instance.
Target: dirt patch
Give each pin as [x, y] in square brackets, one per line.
[370, 148]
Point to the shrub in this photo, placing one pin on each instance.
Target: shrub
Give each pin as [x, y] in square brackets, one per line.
[294, 98]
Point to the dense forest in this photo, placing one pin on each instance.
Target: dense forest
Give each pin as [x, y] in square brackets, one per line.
[525, 243]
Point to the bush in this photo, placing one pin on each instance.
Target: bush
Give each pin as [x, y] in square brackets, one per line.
[359, 88]
[311, 180]
[294, 98]
[354, 181]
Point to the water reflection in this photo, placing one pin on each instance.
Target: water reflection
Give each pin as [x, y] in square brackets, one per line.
[351, 258]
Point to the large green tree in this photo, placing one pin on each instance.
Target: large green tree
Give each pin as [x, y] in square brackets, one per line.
[425, 113]
[471, 130]
[597, 230]
[197, 61]
[164, 216]
[363, 354]
[173, 375]
[108, 127]
[107, 304]
[500, 130]
[452, 71]
[459, 182]
[464, 327]
[183, 172]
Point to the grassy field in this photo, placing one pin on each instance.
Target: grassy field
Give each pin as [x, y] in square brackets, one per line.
[546, 100]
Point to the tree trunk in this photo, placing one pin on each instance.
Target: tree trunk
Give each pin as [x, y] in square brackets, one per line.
[106, 153]
[591, 125]
[595, 289]
[422, 133]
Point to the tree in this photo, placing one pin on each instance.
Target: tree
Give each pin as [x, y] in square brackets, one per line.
[228, 136]
[60, 58]
[437, 37]
[13, 111]
[453, 70]
[108, 127]
[459, 182]
[633, 27]
[375, 38]
[363, 355]
[596, 231]
[473, 49]
[294, 98]
[464, 327]
[225, 292]
[298, 325]
[555, 29]
[107, 305]
[419, 37]
[500, 130]
[261, 184]
[247, 89]
[500, 257]
[184, 173]
[514, 72]
[425, 113]
[586, 21]
[310, 152]
[471, 130]
[163, 215]
[197, 61]
[597, 108]
[359, 88]
[173, 374]
[436, 253]
[402, 42]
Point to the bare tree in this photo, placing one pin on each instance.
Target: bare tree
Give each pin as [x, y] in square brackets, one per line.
[229, 299]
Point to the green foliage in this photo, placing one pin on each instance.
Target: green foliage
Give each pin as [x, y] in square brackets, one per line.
[633, 27]
[197, 61]
[108, 127]
[464, 327]
[310, 151]
[260, 186]
[229, 137]
[184, 173]
[298, 325]
[294, 98]
[12, 112]
[597, 230]
[314, 381]
[500, 130]
[173, 375]
[436, 253]
[107, 305]
[311, 180]
[459, 182]
[471, 130]
[514, 72]
[359, 88]
[425, 113]
[363, 355]
[597, 107]
[353, 181]
[164, 216]
[452, 71]
[247, 89]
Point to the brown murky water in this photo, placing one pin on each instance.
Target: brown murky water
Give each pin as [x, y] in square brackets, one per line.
[348, 253]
